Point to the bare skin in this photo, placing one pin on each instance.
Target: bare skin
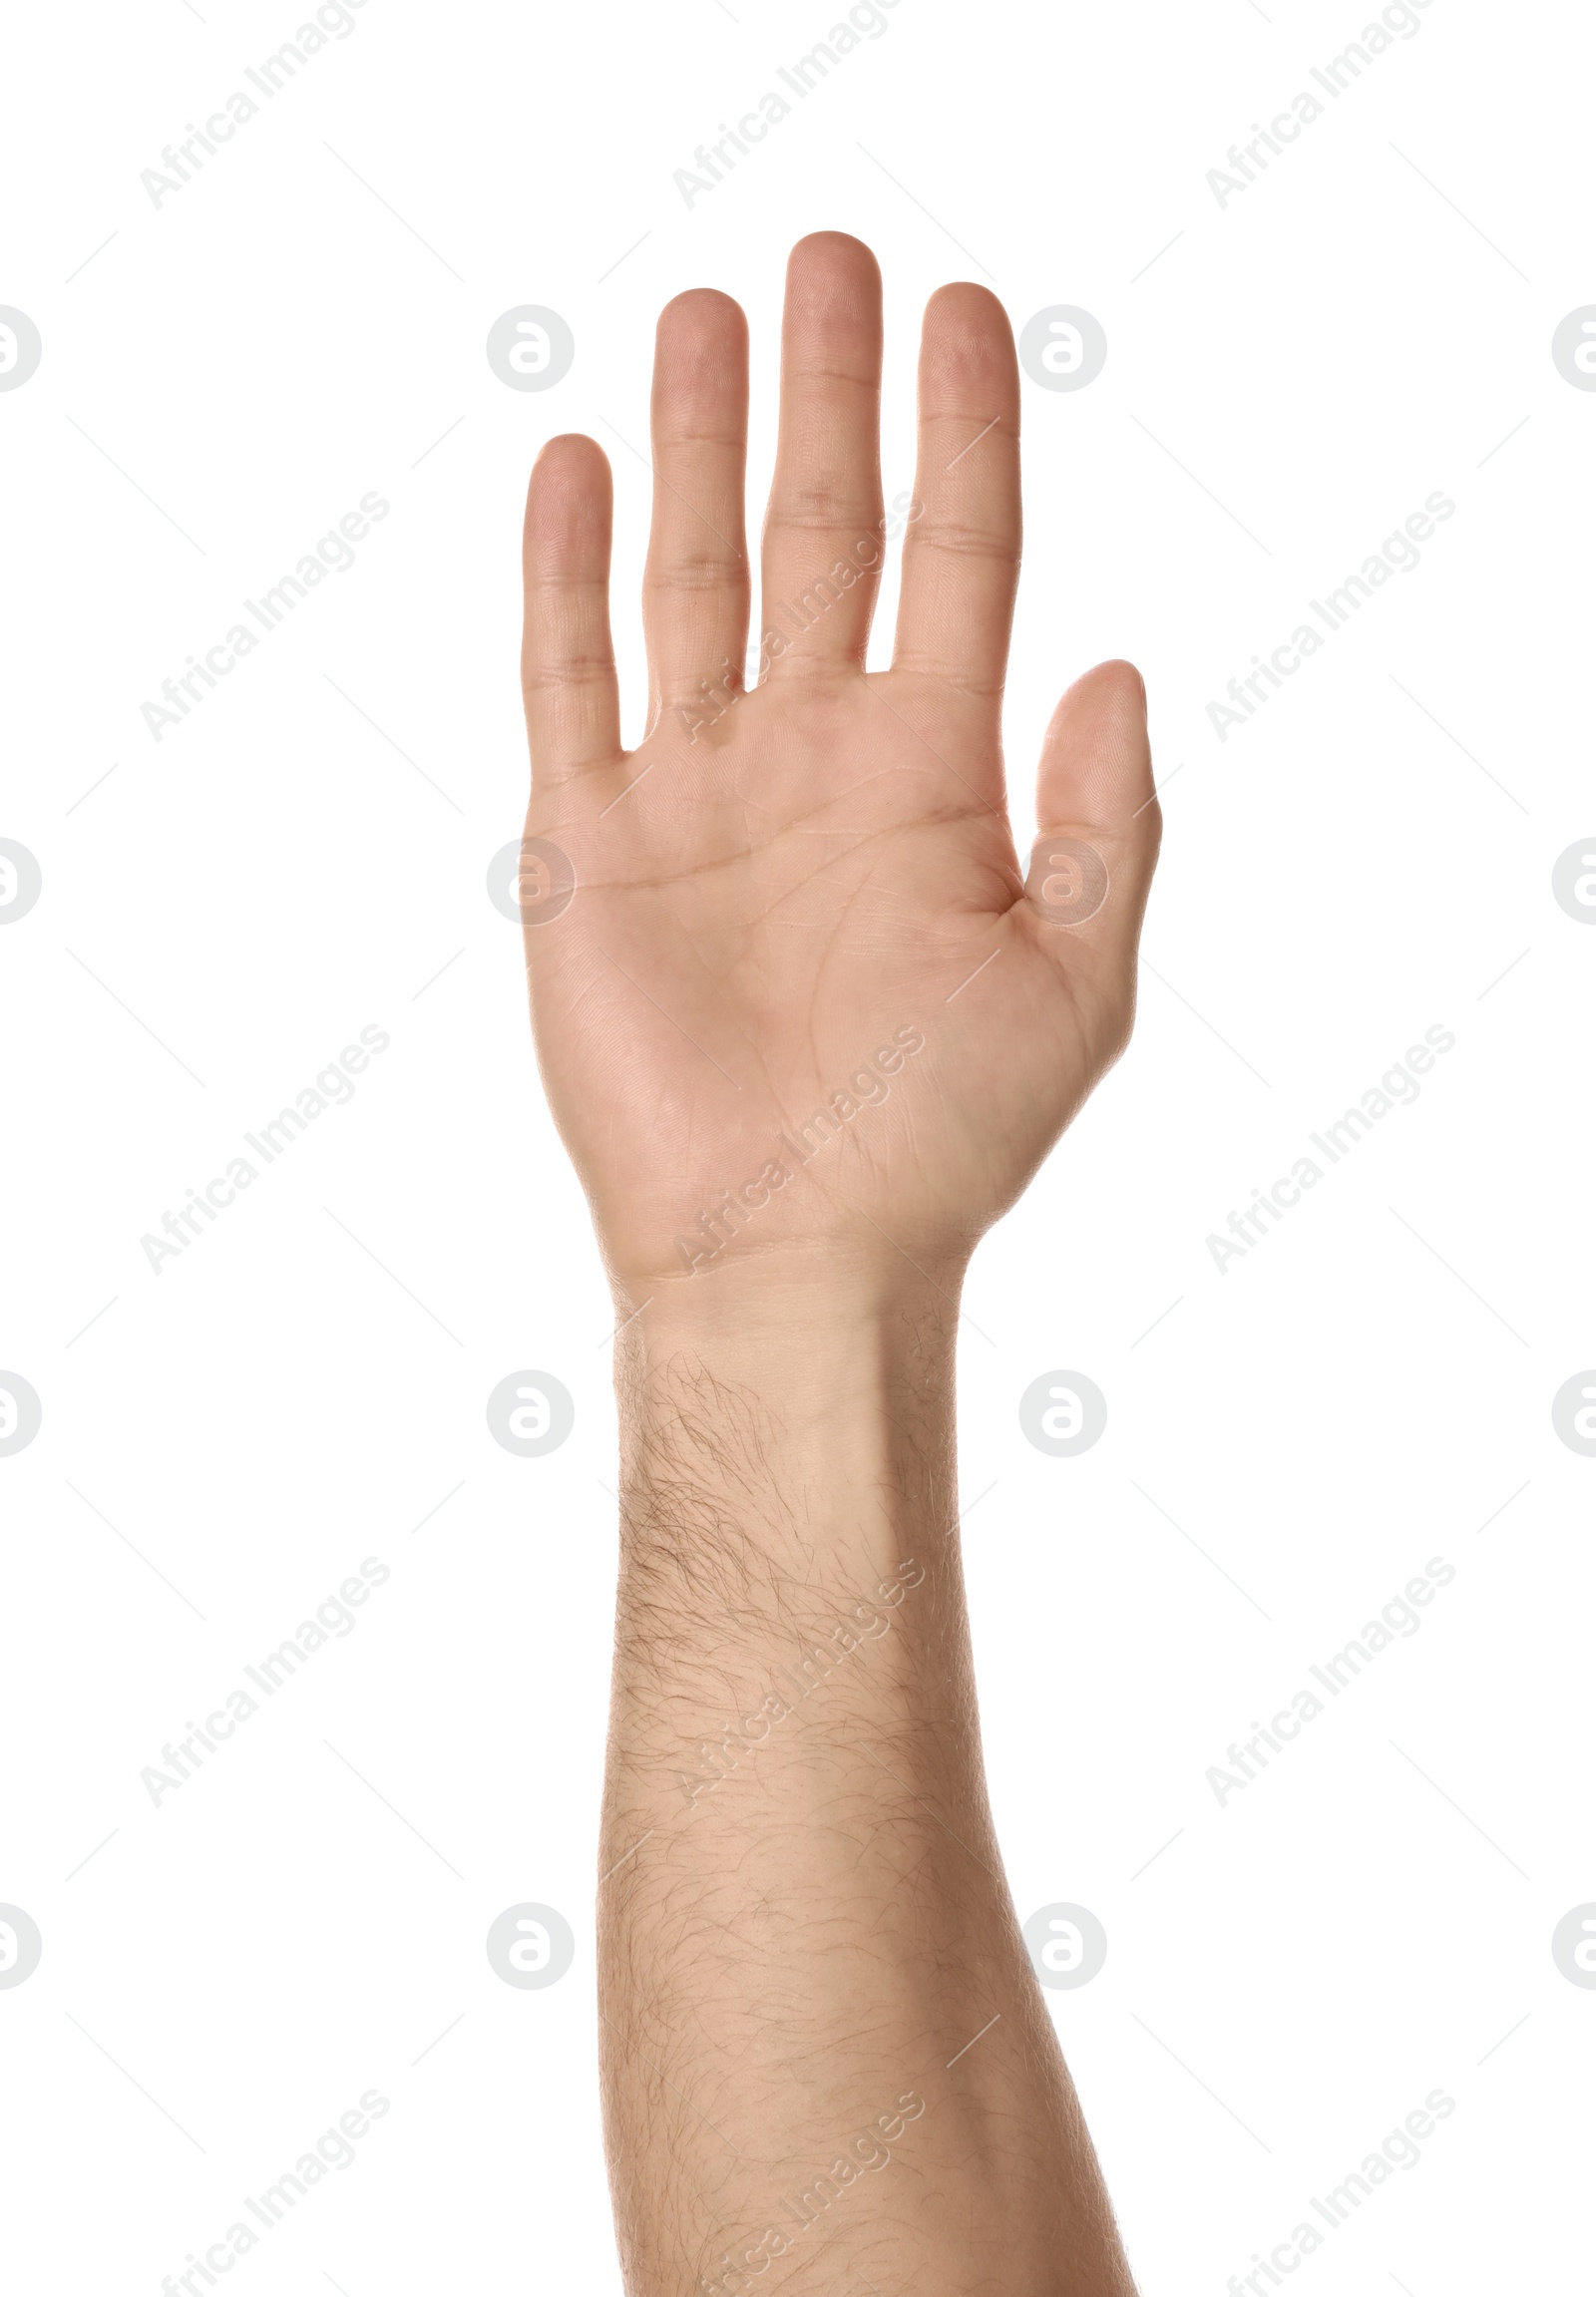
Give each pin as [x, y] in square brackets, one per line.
[805, 897]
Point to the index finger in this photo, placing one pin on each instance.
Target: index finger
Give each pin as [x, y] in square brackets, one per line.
[961, 552]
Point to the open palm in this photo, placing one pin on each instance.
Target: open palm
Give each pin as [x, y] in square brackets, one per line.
[804, 1000]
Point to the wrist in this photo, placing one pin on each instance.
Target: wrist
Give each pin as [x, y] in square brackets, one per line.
[800, 1332]
[802, 1408]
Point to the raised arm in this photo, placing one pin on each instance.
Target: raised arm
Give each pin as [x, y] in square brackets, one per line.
[808, 1028]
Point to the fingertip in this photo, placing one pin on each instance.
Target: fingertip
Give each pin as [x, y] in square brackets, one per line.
[1112, 695]
[706, 300]
[1109, 695]
[568, 459]
[1097, 765]
[700, 380]
[832, 250]
[568, 496]
[1115, 685]
[833, 279]
[966, 354]
[965, 303]
[699, 315]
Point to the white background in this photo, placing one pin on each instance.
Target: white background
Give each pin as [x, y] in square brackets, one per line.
[305, 854]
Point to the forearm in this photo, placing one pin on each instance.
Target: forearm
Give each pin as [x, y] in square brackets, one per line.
[804, 1926]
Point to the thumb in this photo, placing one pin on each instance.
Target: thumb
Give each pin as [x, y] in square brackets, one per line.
[1099, 827]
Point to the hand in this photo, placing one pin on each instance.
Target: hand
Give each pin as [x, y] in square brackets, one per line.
[805, 897]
